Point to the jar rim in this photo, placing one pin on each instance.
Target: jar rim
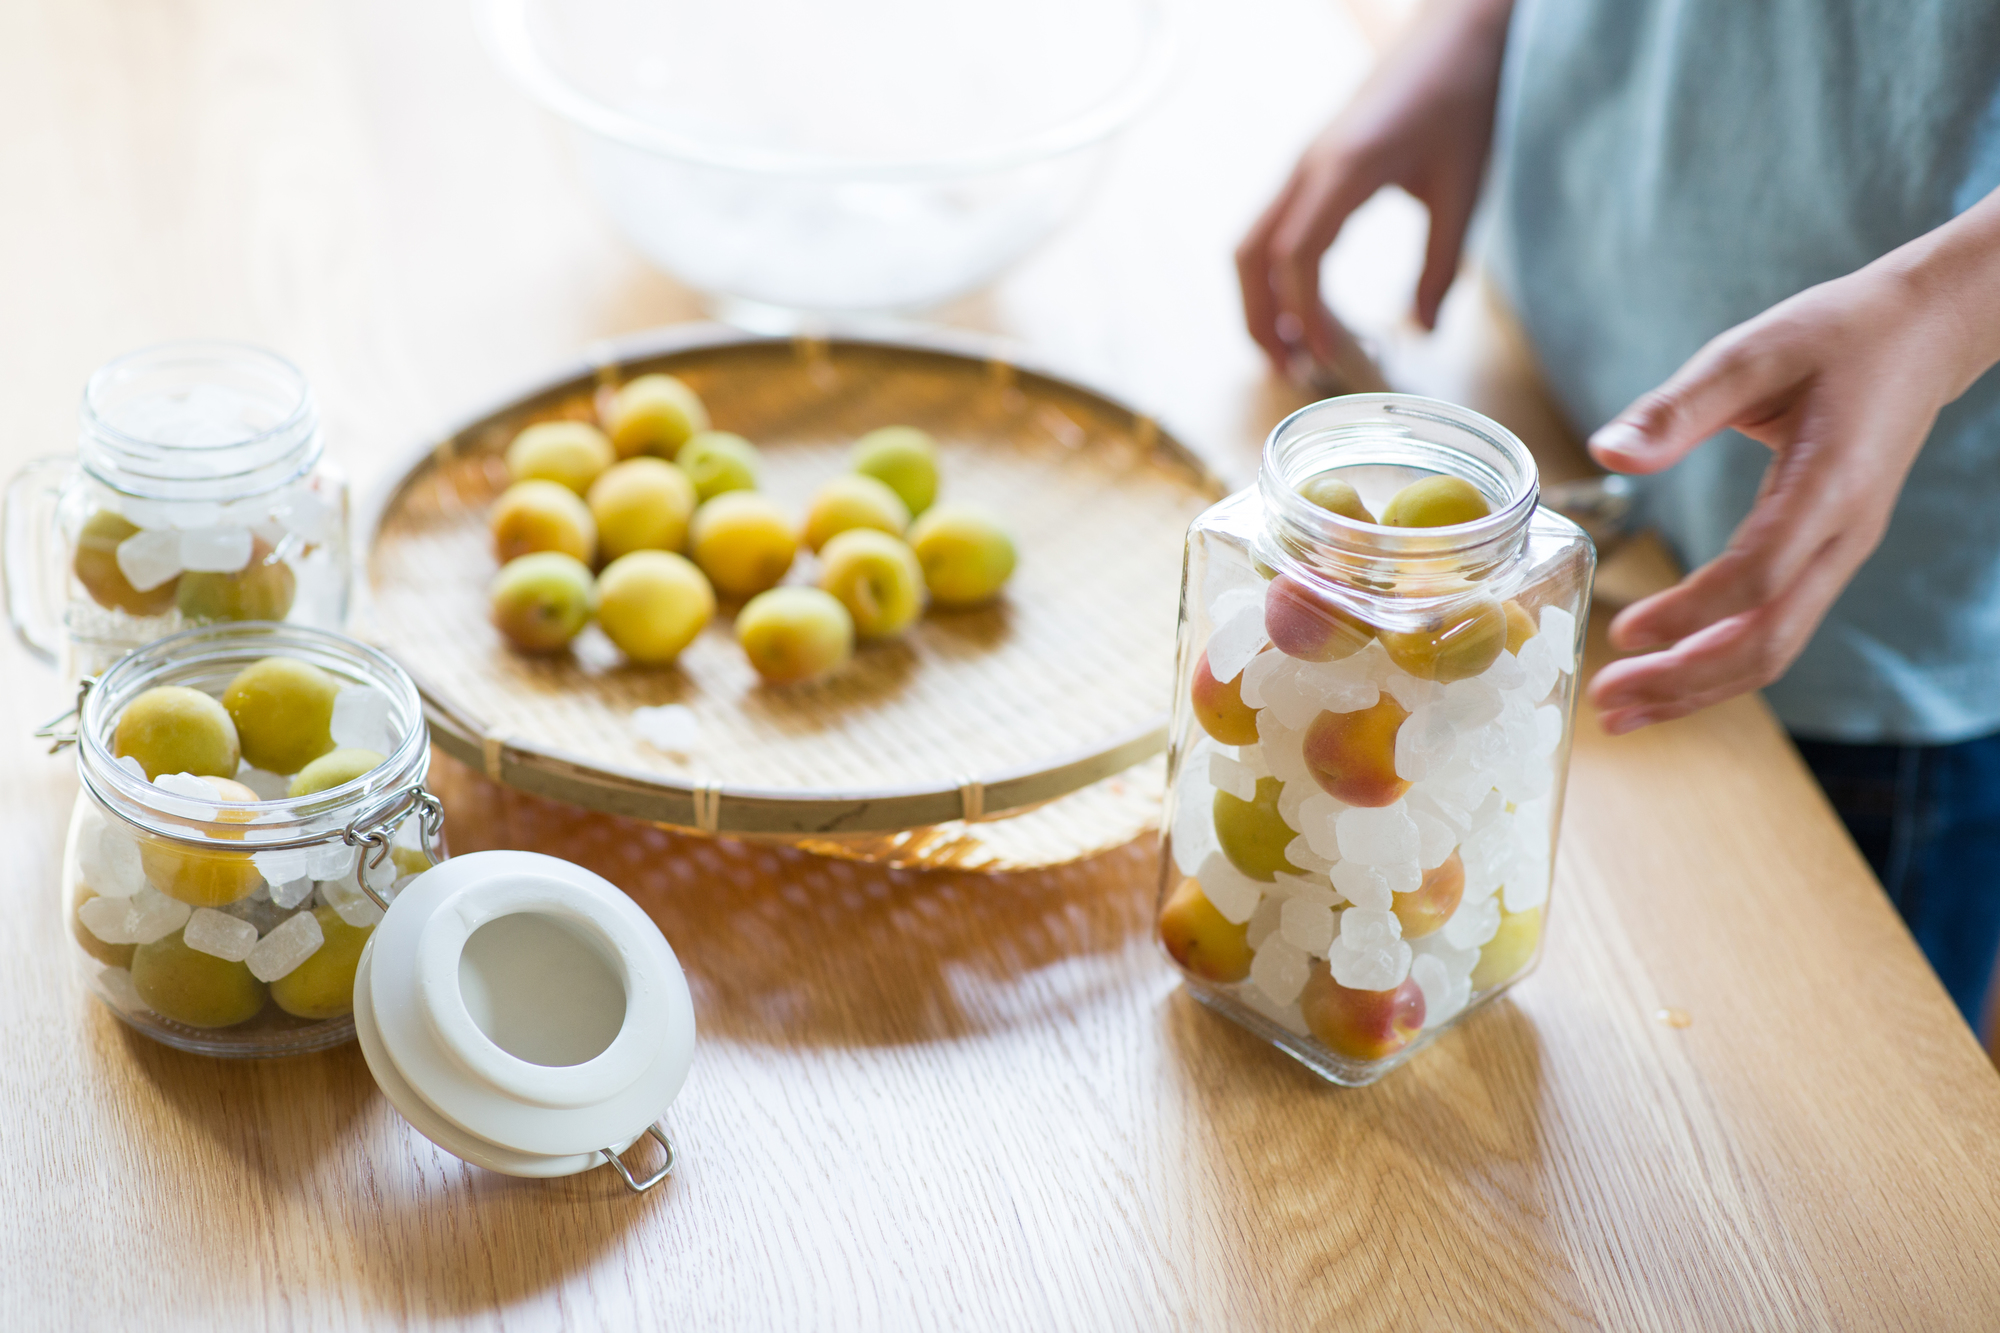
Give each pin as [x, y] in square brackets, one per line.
[284, 821]
[134, 463]
[1435, 433]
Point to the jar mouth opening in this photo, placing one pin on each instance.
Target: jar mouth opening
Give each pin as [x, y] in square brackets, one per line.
[213, 652]
[1414, 434]
[187, 390]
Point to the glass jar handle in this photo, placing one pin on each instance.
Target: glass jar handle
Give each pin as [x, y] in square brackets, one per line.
[27, 536]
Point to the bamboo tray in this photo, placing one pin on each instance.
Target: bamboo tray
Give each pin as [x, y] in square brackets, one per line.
[934, 749]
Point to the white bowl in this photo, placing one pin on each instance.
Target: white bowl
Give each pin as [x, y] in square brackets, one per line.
[837, 156]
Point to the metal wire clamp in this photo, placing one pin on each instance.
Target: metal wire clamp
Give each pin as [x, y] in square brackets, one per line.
[59, 736]
[641, 1186]
[373, 828]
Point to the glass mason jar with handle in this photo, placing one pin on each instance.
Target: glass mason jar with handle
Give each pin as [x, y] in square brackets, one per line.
[199, 493]
[219, 912]
[1371, 731]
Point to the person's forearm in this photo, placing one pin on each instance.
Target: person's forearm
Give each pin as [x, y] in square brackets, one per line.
[1953, 273]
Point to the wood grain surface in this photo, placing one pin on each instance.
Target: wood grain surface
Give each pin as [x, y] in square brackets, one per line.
[926, 1099]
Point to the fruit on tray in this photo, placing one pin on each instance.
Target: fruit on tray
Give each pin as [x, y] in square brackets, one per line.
[795, 634]
[283, 711]
[641, 504]
[1306, 624]
[1456, 645]
[96, 566]
[533, 516]
[1435, 502]
[705, 503]
[1510, 950]
[1428, 906]
[111, 955]
[854, 501]
[904, 459]
[877, 578]
[743, 543]
[261, 590]
[1352, 756]
[1201, 939]
[195, 988]
[717, 461]
[1360, 1024]
[198, 876]
[654, 414]
[1520, 625]
[652, 604]
[570, 453]
[1219, 706]
[542, 601]
[334, 769]
[966, 554]
[323, 985]
[173, 729]
[1336, 497]
[1252, 834]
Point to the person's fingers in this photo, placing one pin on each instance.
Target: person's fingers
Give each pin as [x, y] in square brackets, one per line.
[1253, 275]
[1450, 215]
[1744, 652]
[1819, 504]
[1332, 188]
[1738, 378]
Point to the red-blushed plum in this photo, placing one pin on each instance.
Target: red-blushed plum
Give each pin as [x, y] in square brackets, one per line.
[1303, 624]
[1219, 706]
[1360, 1024]
[1353, 755]
[1201, 939]
[1428, 906]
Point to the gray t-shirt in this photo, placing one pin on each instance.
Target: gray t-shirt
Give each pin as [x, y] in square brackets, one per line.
[1665, 169]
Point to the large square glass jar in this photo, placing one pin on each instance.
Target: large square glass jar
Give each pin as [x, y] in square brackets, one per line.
[199, 493]
[1370, 736]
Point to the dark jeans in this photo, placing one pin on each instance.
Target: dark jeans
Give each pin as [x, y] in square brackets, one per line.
[1927, 817]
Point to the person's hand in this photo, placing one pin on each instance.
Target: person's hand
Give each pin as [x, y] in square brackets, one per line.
[1423, 121]
[1842, 383]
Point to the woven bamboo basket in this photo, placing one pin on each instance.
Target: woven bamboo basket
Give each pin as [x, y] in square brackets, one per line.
[1021, 734]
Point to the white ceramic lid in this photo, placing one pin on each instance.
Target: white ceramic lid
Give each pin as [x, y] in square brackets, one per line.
[523, 1013]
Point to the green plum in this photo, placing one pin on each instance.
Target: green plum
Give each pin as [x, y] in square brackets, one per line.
[542, 601]
[717, 461]
[323, 985]
[540, 515]
[261, 590]
[334, 769]
[283, 711]
[903, 458]
[1435, 502]
[1253, 834]
[966, 554]
[173, 729]
[1336, 497]
[652, 604]
[795, 634]
[193, 987]
[96, 566]
[654, 414]
[854, 501]
[569, 453]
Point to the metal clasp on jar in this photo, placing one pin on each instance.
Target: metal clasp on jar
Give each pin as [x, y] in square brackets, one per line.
[61, 730]
[376, 826]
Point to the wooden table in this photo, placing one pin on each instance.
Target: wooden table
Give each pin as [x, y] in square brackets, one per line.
[924, 1101]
